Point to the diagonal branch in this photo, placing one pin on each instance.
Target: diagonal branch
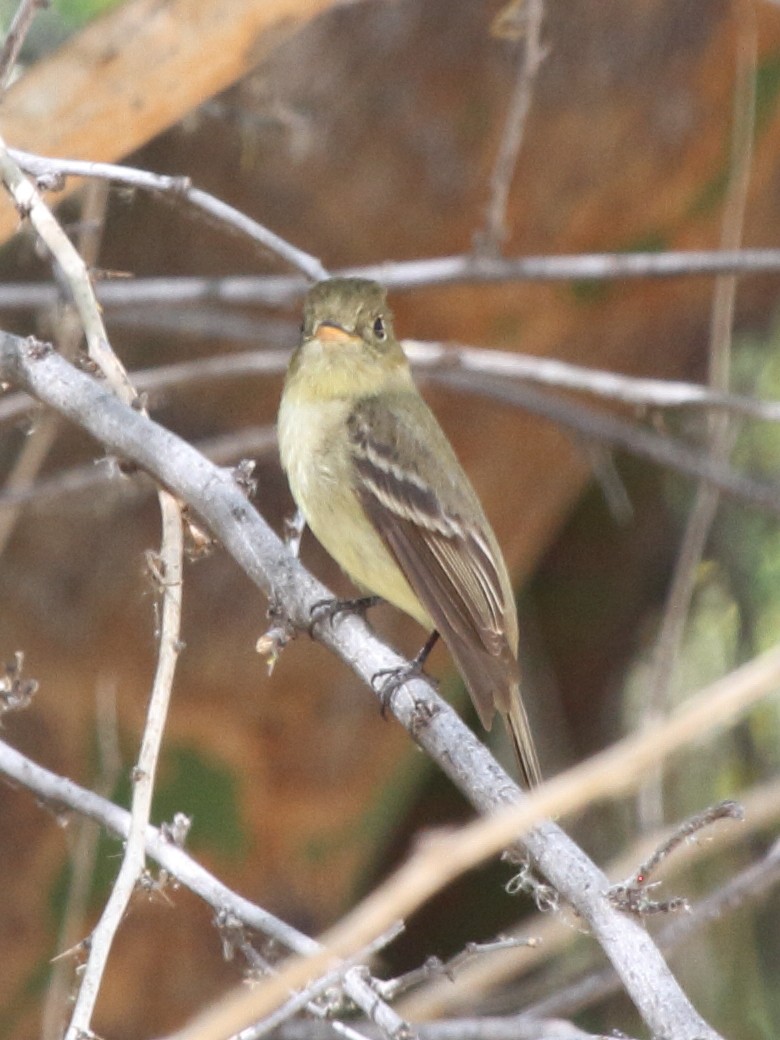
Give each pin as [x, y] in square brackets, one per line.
[154, 59]
[221, 503]
[15, 37]
[476, 371]
[75, 274]
[180, 189]
[60, 791]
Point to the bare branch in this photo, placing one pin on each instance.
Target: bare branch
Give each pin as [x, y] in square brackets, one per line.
[30, 205]
[60, 791]
[639, 440]
[434, 966]
[69, 334]
[554, 934]
[494, 233]
[510, 1027]
[750, 885]
[433, 358]
[446, 368]
[431, 721]
[284, 290]
[177, 188]
[323, 982]
[721, 433]
[632, 894]
[75, 273]
[17, 34]
[445, 856]
[430, 357]
[102, 937]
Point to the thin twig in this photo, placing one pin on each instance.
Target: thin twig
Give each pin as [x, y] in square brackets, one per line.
[445, 856]
[495, 231]
[434, 966]
[721, 434]
[431, 359]
[36, 447]
[102, 936]
[282, 291]
[30, 206]
[435, 726]
[17, 34]
[75, 274]
[60, 791]
[632, 895]
[177, 188]
[83, 854]
[318, 986]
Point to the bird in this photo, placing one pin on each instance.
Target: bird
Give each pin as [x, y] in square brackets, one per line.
[380, 487]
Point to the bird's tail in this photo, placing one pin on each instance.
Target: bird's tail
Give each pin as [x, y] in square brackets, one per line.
[516, 722]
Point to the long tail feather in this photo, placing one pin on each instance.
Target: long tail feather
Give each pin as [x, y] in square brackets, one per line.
[519, 729]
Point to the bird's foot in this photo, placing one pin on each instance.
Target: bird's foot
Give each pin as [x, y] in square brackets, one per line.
[329, 609]
[388, 681]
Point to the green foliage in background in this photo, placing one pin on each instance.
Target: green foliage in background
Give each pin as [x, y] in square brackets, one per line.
[75, 13]
[735, 611]
[735, 614]
[53, 24]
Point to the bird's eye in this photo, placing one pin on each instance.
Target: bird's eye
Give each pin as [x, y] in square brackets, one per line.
[379, 328]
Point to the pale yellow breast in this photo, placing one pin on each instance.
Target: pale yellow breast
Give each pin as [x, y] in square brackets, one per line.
[313, 450]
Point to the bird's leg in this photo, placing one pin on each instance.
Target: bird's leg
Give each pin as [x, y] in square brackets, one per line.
[422, 656]
[394, 678]
[329, 609]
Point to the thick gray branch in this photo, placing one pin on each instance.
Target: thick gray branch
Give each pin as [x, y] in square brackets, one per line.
[433, 724]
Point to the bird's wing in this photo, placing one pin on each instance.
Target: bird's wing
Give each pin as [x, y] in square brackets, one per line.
[449, 561]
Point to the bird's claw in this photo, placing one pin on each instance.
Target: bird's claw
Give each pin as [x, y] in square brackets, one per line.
[388, 681]
[329, 609]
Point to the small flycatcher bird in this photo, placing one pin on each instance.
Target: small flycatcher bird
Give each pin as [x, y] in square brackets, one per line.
[381, 488]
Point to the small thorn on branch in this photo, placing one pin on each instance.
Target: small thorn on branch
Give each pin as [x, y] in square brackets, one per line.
[177, 831]
[276, 638]
[16, 693]
[198, 542]
[243, 475]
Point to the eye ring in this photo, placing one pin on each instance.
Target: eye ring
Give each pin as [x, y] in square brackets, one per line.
[379, 328]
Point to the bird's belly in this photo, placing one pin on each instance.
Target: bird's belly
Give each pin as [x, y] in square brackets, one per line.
[321, 484]
[361, 553]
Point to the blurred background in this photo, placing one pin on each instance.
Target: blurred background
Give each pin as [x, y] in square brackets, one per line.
[367, 133]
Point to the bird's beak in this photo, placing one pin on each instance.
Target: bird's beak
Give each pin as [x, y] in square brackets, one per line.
[330, 332]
